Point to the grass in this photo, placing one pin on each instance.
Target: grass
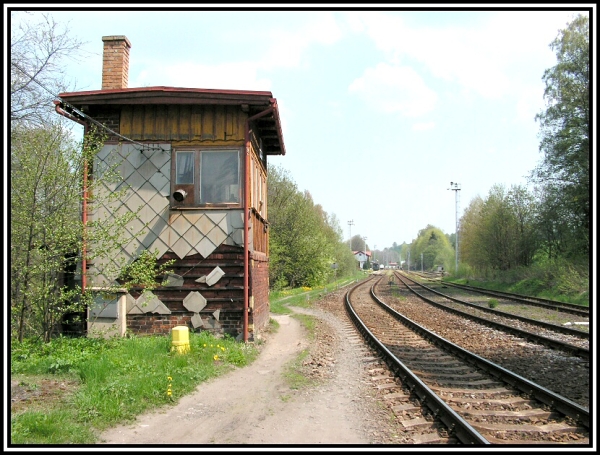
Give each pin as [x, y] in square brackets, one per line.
[531, 287]
[293, 372]
[492, 303]
[554, 280]
[111, 381]
[303, 296]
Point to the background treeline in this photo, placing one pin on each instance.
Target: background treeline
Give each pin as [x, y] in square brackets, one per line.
[305, 242]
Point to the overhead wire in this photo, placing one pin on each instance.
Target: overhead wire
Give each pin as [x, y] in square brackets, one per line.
[87, 117]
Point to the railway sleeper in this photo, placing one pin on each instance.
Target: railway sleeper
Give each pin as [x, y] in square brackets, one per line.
[400, 409]
[524, 429]
[510, 401]
[459, 383]
[418, 423]
[432, 438]
[473, 393]
[522, 414]
[452, 374]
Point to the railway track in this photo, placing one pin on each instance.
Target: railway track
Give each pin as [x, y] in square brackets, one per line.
[569, 308]
[574, 342]
[443, 394]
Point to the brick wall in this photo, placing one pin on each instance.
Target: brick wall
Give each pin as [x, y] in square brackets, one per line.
[260, 290]
[115, 62]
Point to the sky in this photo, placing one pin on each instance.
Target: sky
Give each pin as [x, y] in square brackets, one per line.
[381, 108]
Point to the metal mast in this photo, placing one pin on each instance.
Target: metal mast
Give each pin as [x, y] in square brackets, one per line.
[454, 186]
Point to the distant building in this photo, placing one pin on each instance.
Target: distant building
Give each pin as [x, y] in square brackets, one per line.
[362, 257]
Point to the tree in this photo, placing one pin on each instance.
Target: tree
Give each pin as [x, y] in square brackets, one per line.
[563, 175]
[36, 53]
[46, 226]
[303, 242]
[357, 243]
[527, 236]
[47, 169]
[499, 233]
[433, 244]
[472, 251]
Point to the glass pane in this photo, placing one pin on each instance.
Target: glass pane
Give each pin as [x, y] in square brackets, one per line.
[184, 168]
[220, 180]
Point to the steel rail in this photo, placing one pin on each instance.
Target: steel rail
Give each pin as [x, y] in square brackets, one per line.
[555, 344]
[570, 308]
[546, 325]
[458, 426]
[558, 402]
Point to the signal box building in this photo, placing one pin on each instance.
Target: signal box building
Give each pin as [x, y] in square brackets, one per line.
[193, 171]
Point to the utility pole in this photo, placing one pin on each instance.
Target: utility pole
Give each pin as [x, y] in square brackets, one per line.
[421, 262]
[350, 224]
[454, 186]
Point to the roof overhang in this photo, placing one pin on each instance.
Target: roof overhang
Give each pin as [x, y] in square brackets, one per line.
[254, 102]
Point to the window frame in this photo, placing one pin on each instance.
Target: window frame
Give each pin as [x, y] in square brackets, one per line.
[192, 199]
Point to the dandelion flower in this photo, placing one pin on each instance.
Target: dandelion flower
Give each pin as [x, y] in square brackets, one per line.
[216, 357]
[169, 378]
[169, 393]
[222, 348]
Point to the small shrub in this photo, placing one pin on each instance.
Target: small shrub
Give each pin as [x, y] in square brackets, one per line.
[492, 303]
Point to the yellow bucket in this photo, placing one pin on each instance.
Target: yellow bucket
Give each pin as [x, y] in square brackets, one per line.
[180, 339]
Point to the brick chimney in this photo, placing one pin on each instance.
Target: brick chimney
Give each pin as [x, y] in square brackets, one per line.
[115, 62]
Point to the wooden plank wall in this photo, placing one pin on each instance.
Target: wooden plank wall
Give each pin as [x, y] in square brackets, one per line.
[211, 124]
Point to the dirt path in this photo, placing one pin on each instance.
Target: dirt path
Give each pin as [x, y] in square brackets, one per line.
[253, 405]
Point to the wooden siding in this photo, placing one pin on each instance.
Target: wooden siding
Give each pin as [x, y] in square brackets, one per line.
[226, 296]
[211, 124]
[260, 234]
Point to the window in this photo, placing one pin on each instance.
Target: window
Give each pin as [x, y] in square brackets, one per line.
[206, 177]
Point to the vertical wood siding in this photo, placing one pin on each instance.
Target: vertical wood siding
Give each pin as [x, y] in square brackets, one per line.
[183, 123]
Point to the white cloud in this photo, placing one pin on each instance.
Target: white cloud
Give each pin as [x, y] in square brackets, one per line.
[289, 46]
[484, 56]
[395, 89]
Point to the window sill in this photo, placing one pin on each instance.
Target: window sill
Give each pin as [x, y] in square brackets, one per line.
[209, 206]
